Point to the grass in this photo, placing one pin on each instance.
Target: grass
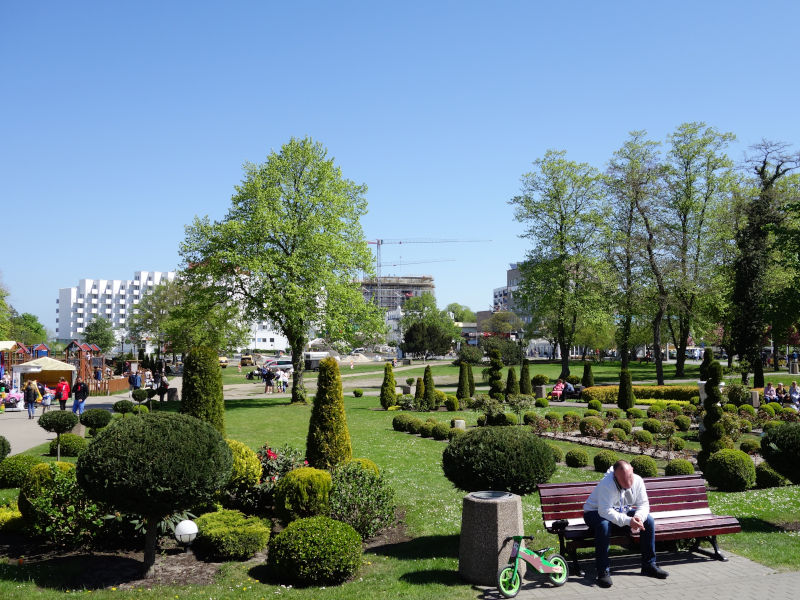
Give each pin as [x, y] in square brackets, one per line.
[426, 566]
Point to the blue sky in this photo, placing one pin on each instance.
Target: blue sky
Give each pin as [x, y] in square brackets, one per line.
[122, 121]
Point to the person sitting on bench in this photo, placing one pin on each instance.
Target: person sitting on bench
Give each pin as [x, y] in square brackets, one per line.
[558, 389]
[620, 500]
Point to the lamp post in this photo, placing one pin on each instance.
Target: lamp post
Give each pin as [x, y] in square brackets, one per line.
[185, 533]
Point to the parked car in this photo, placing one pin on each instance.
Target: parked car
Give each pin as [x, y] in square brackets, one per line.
[223, 362]
[246, 360]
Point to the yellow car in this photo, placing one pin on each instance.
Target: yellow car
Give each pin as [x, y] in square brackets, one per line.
[246, 360]
[223, 362]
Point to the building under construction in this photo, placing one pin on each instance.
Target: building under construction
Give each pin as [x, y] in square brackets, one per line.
[392, 292]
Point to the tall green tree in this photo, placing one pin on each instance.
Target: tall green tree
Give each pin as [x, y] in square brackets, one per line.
[201, 394]
[559, 209]
[5, 314]
[769, 162]
[27, 329]
[502, 321]
[461, 313]
[101, 333]
[426, 329]
[290, 250]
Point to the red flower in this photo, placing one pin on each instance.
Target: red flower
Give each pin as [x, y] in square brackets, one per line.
[271, 455]
[305, 462]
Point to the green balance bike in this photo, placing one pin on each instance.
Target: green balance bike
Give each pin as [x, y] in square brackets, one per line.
[509, 579]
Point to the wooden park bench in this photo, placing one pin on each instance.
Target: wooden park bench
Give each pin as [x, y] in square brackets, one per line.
[679, 506]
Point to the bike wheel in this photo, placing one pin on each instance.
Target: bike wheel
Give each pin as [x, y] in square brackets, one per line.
[509, 581]
[558, 579]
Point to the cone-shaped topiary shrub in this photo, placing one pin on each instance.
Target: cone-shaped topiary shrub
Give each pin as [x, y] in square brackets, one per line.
[388, 387]
[58, 422]
[711, 440]
[495, 375]
[186, 461]
[625, 398]
[463, 382]
[644, 466]
[730, 470]
[471, 377]
[419, 392]
[201, 396]
[303, 492]
[780, 447]
[525, 387]
[328, 440]
[479, 460]
[588, 377]
[512, 385]
[429, 396]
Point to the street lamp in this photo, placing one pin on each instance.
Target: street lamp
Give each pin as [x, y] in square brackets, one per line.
[185, 532]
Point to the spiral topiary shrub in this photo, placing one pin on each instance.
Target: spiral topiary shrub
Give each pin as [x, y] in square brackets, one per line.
[595, 405]
[767, 477]
[711, 439]
[303, 492]
[644, 466]
[71, 445]
[14, 470]
[591, 426]
[730, 470]
[679, 466]
[780, 447]
[230, 535]
[622, 424]
[362, 499]
[576, 458]
[558, 453]
[315, 551]
[479, 460]
[604, 460]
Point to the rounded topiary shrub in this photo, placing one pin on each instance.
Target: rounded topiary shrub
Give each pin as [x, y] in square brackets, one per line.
[644, 466]
[591, 413]
[139, 395]
[558, 453]
[652, 425]
[730, 470]
[576, 458]
[366, 464]
[613, 413]
[400, 422]
[679, 466]
[622, 424]
[682, 422]
[414, 425]
[71, 445]
[426, 430]
[5, 448]
[246, 469]
[123, 407]
[140, 409]
[440, 431]
[750, 446]
[571, 420]
[479, 460]
[14, 470]
[95, 419]
[591, 426]
[541, 403]
[642, 437]
[553, 417]
[616, 435]
[676, 443]
[230, 535]
[730, 408]
[780, 447]
[315, 551]
[767, 477]
[303, 492]
[540, 379]
[635, 413]
[358, 393]
[595, 405]
[451, 403]
[604, 460]
[362, 499]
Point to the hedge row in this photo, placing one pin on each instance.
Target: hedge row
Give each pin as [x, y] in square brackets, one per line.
[607, 394]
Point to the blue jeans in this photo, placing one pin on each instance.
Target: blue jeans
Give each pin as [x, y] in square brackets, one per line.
[603, 531]
[31, 410]
[77, 406]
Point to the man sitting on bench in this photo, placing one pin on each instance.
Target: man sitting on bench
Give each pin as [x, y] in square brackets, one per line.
[620, 500]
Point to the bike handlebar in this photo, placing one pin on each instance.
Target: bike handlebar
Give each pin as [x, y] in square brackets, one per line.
[518, 537]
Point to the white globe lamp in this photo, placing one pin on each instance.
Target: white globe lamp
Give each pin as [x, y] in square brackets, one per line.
[185, 532]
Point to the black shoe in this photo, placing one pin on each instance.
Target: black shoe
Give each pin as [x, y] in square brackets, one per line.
[654, 571]
[604, 580]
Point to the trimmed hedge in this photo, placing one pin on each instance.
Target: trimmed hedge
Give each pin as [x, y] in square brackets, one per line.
[730, 470]
[230, 535]
[591, 426]
[479, 460]
[641, 436]
[622, 424]
[607, 394]
[683, 423]
[616, 435]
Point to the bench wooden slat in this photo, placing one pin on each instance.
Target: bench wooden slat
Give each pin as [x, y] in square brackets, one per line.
[572, 502]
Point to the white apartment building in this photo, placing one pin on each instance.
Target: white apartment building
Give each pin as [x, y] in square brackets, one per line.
[264, 337]
[114, 299]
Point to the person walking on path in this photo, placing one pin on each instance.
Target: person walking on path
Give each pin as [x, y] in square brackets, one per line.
[30, 396]
[80, 391]
[62, 393]
[620, 500]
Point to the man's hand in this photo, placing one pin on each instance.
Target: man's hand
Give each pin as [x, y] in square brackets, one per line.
[636, 524]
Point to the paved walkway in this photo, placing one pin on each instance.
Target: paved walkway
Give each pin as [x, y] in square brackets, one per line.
[690, 576]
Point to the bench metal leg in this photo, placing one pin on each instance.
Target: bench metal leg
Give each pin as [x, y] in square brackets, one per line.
[576, 568]
[716, 555]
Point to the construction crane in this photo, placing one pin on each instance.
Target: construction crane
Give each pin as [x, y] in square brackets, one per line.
[380, 242]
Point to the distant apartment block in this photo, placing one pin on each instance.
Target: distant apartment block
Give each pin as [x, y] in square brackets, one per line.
[114, 299]
[392, 292]
[503, 297]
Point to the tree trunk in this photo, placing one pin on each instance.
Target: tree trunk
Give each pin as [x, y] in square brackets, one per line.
[298, 385]
[758, 374]
[150, 543]
[657, 346]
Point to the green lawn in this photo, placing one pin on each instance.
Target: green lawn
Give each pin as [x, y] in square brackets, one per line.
[426, 566]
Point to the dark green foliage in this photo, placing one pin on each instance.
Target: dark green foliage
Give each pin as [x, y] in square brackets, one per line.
[576, 458]
[625, 397]
[428, 401]
[471, 377]
[644, 466]
[469, 355]
[139, 395]
[362, 499]
[315, 551]
[303, 492]
[652, 425]
[440, 431]
[588, 377]
[573, 379]
[5, 448]
[679, 466]
[708, 356]
[454, 433]
[400, 422]
[14, 470]
[123, 407]
[711, 439]
[415, 425]
[676, 443]
[328, 441]
[622, 424]
[463, 382]
[58, 422]
[635, 413]
[738, 394]
[750, 446]
[230, 535]
[682, 422]
[571, 420]
[591, 426]
[95, 419]
[426, 430]
[558, 454]
[595, 405]
[71, 445]
[513, 459]
[525, 387]
[201, 396]
[553, 417]
[604, 460]
[358, 393]
[451, 403]
[730, 470]
[540, 379]
[388, 391]
[780, 447]
[767, 477]
[419, 392]
[187, 462]
[495, 375]
[512, 385]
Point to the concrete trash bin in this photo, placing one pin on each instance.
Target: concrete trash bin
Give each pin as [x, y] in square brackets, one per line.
[487, 519]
